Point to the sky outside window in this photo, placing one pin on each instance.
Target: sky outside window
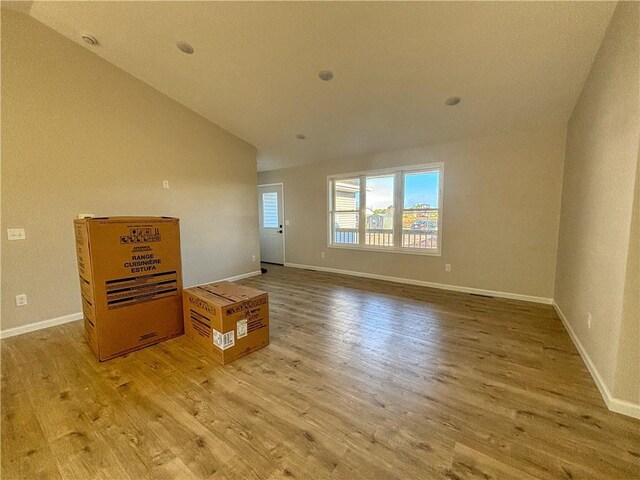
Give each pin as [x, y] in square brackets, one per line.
[379, 193]
[421, 189]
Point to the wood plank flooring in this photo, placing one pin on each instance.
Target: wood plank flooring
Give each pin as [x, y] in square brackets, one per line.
[363, 379]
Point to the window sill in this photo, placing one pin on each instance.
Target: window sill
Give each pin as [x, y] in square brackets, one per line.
[406, 251]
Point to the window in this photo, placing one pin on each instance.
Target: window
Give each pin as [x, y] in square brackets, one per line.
[420, 210]
[396, 210]
[270, 210]
[379, 210]
[346, 217]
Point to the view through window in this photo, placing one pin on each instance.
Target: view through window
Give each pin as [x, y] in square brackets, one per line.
[398, 210]
[347, 211]
[270, 210]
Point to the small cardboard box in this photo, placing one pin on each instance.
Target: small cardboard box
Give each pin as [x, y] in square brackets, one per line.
[130, 281]
[230, 319]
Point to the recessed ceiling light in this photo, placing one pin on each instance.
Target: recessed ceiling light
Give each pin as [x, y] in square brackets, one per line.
[300, 136]
[451, 101]
[325, 75]
[90, 39]
[185, 47]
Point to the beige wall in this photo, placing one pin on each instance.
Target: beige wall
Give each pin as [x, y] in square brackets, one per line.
[627, 381]
[500, 220]
[596, 267]
[81, 136]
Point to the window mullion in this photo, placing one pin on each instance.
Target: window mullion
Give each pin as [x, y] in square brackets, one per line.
[332, 206]
[398, 204]
[362, 210]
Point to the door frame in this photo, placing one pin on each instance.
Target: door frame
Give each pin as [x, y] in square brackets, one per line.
[284, 222]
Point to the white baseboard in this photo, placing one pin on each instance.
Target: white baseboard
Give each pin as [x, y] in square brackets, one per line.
[244, 275]
[441, 286]
[614, 404]
[230, 279]
[32, 327]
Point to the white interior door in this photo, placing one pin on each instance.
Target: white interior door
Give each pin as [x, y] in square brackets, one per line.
[271, 223]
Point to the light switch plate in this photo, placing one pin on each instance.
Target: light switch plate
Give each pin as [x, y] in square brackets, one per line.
[21, 300]
[16, 233]
[165, 184]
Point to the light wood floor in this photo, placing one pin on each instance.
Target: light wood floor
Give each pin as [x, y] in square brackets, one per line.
[363, 379]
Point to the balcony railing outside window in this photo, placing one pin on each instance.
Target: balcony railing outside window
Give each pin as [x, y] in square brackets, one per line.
[384, 238]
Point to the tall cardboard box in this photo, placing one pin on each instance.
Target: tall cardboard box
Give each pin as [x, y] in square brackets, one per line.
[130, 281]
[229, 319]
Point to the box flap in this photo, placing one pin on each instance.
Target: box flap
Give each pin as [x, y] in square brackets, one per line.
[225, 293]
[130, 219]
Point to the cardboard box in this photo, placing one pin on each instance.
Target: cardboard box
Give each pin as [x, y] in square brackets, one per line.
[229, 319]
[130, 281]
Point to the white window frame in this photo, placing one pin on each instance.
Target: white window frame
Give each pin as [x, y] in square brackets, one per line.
[398, 204]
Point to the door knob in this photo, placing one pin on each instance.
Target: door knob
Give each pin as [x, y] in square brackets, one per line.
[279, 231]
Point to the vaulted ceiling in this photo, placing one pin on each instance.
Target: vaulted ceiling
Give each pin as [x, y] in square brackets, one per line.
[516, 65]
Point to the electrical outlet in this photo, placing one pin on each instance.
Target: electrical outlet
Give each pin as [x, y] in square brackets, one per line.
[588, 320]
[322, 254]
[447, 267]
[253, 258]
[165, 184]
[21, 300]
[16, 234]
[86, 215]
